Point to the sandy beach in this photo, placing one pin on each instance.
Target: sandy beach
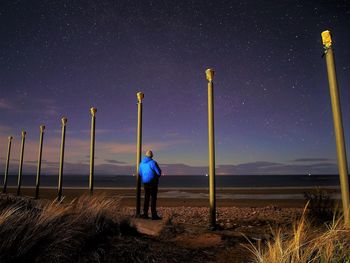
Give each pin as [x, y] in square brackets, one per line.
[195, 197]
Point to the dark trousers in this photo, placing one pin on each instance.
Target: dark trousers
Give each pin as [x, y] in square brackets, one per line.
[151, 190]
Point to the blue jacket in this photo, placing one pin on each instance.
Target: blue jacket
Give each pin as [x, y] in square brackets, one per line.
[149, 170]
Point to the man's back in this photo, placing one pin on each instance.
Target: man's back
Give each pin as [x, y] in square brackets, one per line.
[149, 170]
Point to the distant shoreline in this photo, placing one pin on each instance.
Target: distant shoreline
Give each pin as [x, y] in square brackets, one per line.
[14, 173]
[193, 197]
[187, 182]
[194, 188]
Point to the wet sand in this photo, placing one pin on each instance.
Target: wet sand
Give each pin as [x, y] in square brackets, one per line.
[193, 197]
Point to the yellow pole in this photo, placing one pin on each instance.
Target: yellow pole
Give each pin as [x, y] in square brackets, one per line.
[20, 167]
[140, 97]
[7, 163]
[40, 153]
[338, 125]
[212, 197]
[60, 173]
[92, 149]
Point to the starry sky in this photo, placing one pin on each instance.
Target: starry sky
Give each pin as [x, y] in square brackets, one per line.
[272, 104]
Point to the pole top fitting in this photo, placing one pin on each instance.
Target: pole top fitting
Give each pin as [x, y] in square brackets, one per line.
[140, 96]
[10, 138]
[24, 134]
[64, 121]
[209, 74]
[326, 38]
[42, 128]
[93, 111]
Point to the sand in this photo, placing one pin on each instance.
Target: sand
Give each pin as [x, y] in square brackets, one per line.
[194, 197]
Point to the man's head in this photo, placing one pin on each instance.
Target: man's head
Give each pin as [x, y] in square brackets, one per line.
[149, 154]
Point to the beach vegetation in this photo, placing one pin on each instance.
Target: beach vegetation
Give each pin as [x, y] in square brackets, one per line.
[34, 231]
[87, 229]
[321, 207]
[305, 243]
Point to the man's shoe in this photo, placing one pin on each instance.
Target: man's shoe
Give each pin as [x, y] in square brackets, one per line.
[144, 216]
[156, 217]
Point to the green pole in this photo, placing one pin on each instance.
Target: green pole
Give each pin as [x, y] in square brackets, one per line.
[140, 97]
[338, 125]
[92, 150]
[20, 167]
[60, 173]
[212, 196]
[40, 153]
[7, 163]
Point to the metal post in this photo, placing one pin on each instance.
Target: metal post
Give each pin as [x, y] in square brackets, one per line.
[60, 173]
[338, 125]
[20, 167]
[7, 163]
[92, 149]
[212, 197]
[40, 153]
[140, 97]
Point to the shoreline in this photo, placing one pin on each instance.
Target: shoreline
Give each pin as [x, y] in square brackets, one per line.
[193, 197]
[192, 188]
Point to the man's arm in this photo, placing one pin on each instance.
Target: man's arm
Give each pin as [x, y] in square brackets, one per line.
[157, 169]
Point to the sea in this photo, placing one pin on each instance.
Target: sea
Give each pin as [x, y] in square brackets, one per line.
[183, 181]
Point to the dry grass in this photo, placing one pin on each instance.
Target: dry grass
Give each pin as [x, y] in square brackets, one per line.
[88, 229]
[35, 232]
[321, 206]
[305, 243]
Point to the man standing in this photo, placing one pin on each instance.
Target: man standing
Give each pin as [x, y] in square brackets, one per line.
[150, 173]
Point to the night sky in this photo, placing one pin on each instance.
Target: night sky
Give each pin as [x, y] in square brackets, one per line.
[272, 104]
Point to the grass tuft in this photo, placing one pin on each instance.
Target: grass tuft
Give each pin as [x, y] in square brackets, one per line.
[82, 229]
[305, 243]
[320, 205]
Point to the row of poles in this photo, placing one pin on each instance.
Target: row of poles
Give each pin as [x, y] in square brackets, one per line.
[338, 127]
[40, 154]
[140, 97]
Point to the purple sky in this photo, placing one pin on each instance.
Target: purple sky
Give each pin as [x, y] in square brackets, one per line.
[272, 105]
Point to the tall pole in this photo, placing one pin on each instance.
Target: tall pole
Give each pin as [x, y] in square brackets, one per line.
[212, 197]
[338, 125]
[20, 167]
[92, 150]
[60, 173]
[140, 97]
[7, 163]
[40, 154]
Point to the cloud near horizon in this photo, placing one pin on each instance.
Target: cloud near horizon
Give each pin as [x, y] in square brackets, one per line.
[314, 160]
[114, 161]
